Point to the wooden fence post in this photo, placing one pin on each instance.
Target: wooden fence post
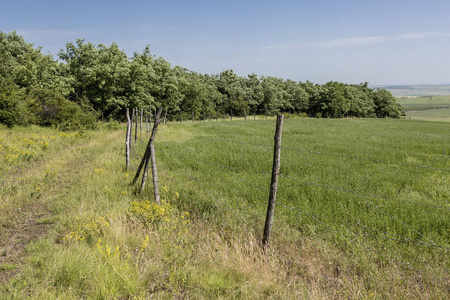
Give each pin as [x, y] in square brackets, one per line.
[149, 155]
[128, 140]
[192, 116]
[153, 159]
[165, 116]
[150, 115]
[136, 125]
[231, 114]
[274, 182]
[146, 121]
[131, 127]
[245, 115]
[140, 124]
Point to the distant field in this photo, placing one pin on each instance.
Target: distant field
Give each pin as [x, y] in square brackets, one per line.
[426, 108]
[416, 90]
[441, 115]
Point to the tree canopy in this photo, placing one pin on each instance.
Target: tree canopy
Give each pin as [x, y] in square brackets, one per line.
[102, 81]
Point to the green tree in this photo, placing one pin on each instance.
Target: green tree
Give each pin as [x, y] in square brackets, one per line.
[15, 105]
[386, 105]
[27, 67]
[100, 74]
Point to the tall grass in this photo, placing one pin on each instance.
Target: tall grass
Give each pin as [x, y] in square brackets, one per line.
[363, 213]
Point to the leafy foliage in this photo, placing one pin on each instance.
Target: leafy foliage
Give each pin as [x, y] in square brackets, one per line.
[103, 79]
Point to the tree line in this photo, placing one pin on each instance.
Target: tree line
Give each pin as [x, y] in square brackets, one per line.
[88, 82]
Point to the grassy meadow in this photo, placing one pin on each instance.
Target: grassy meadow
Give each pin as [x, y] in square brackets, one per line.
[363, 212]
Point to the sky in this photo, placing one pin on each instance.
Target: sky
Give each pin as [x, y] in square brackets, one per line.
[382, 42]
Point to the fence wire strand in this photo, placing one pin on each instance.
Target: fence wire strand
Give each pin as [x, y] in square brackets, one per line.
[358, 194]
[363, 159]
[309, 151]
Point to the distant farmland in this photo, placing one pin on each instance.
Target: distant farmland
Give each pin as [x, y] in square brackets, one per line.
[423, 102]
[416, 90]
[427, 108]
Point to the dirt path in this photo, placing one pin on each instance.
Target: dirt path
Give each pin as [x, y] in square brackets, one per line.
[32, 222]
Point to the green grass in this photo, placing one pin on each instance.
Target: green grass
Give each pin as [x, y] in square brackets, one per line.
[364, 212]
[438, 115]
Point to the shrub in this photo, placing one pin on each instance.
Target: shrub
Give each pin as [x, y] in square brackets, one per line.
[53, 109]
[14, 105]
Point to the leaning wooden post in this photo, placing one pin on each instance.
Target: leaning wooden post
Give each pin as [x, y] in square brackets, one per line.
[140, 123]
[150, 115]
[151, 153]
[192, 116]
[165, 116]
[128, 140]
[136, 125]
[131, 127]
[274, 182]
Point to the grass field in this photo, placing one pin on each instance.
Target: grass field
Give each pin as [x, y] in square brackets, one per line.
[363, 212]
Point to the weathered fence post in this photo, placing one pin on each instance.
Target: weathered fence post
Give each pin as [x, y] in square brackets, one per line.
[274, 182]
[150, 115]
[128, 140]
[131, 127]
[140, 124]
[203, 116]
[231, 114]
[165, 116]
[181, 117]
[245, 115]
[266, 114]
[149, 155]
[136, 125]
[153, 159]
[146, 121]
[192, 116]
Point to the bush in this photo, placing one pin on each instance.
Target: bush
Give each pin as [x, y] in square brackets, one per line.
[53, 109]
[14, 105]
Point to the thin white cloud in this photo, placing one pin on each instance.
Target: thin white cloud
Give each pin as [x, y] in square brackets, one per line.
[43, 34]
[359, 41]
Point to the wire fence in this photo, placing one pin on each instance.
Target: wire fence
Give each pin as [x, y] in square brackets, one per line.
[203, 171]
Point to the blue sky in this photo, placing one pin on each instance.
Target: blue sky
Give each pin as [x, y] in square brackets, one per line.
[382, 42]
